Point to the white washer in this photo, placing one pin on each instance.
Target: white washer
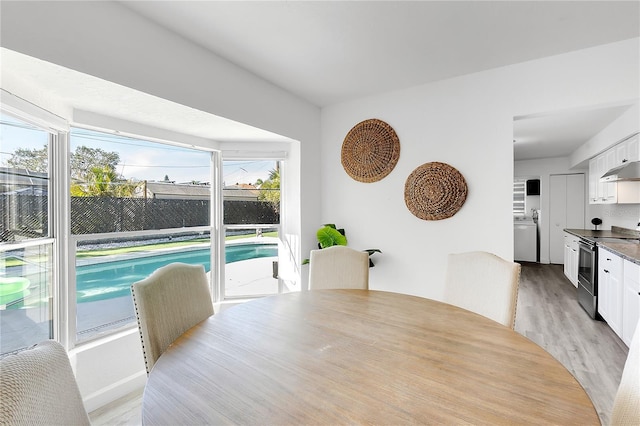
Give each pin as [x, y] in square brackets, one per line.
[525, 240]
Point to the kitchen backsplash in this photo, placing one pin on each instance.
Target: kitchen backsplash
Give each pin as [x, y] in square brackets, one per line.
[622, 215]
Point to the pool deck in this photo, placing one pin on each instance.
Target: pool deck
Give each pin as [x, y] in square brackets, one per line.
[250, 278]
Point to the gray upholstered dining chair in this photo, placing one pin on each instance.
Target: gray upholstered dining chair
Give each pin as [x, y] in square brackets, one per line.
[626, 406]
[338, 267]
[170, 301]
[37, 387]
[483, 283]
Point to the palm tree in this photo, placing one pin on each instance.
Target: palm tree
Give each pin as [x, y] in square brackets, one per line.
[270, 189]
[103, 182]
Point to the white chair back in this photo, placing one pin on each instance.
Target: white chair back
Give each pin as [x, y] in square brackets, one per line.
[483, 283]
[338, 267]
[170, 301]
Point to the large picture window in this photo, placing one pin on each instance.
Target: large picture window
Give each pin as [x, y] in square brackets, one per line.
[26, 240]
[136, 205]
[125, 207]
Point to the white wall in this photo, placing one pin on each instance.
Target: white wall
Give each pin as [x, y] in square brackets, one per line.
[438, 122]
[466, 122]
[622, 215]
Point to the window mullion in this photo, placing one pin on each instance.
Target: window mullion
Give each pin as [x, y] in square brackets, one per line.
[217, 232]
[64, 279]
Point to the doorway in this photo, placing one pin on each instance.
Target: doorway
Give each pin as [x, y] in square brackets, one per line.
[566, 210]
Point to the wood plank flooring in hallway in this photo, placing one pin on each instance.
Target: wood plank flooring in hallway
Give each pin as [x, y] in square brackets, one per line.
[547, 313]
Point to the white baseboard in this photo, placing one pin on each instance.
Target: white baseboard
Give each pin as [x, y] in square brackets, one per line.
[109, 368]
[115, 391]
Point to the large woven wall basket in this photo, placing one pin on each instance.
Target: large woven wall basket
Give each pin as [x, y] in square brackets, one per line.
[435, 191]
[370, 150]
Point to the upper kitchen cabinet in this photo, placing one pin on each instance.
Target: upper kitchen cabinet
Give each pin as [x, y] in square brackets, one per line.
[593, 181]
[602, 192]
[622, 192]
[628, 151]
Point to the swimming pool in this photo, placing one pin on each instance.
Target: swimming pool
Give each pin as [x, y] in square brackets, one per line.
[108, 280]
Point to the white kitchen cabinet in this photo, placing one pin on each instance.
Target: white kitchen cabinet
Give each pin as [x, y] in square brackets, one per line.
[604, 294]
[610, 189]
[593, 181]
[621, 154]
[627, 151]
[610, 279]
[610, 159]
[618, 293]
[602, 192]
[628, 192]
[571, 258]
[567, 256]
[601, 168]
[633, 148]
[609, 192]
[630, 300]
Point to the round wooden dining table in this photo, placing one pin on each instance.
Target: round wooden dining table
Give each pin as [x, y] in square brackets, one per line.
[358, 356]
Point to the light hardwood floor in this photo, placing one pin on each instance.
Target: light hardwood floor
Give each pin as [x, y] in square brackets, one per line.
[547, 313]
[125, 411]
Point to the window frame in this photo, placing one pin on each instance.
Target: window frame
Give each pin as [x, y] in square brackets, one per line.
[73, 239]
[519, 196]
[57, 129]
[276, 156]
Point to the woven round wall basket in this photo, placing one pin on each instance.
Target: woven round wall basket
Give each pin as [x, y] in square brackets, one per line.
[435, 191]
[370, 150]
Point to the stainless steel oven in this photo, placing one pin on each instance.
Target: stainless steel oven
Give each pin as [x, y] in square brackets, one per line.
[588, 277]
[588, 263]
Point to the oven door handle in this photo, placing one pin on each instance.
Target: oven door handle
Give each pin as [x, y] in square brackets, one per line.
[587, 246]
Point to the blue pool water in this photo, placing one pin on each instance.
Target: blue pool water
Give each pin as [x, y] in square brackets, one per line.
[113, 279]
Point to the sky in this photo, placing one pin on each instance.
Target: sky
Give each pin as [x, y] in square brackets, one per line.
[248, 171]
[139, 159]
[142, 160]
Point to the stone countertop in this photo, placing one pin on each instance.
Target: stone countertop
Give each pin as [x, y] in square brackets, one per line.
[603, 233]
[628, 251]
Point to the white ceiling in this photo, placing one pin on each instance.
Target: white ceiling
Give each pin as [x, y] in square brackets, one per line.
[560, 133]
[329, 52]
[92, 94]
[333, 51]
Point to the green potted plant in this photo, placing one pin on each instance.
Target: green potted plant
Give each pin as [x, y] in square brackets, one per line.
[328, 235]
